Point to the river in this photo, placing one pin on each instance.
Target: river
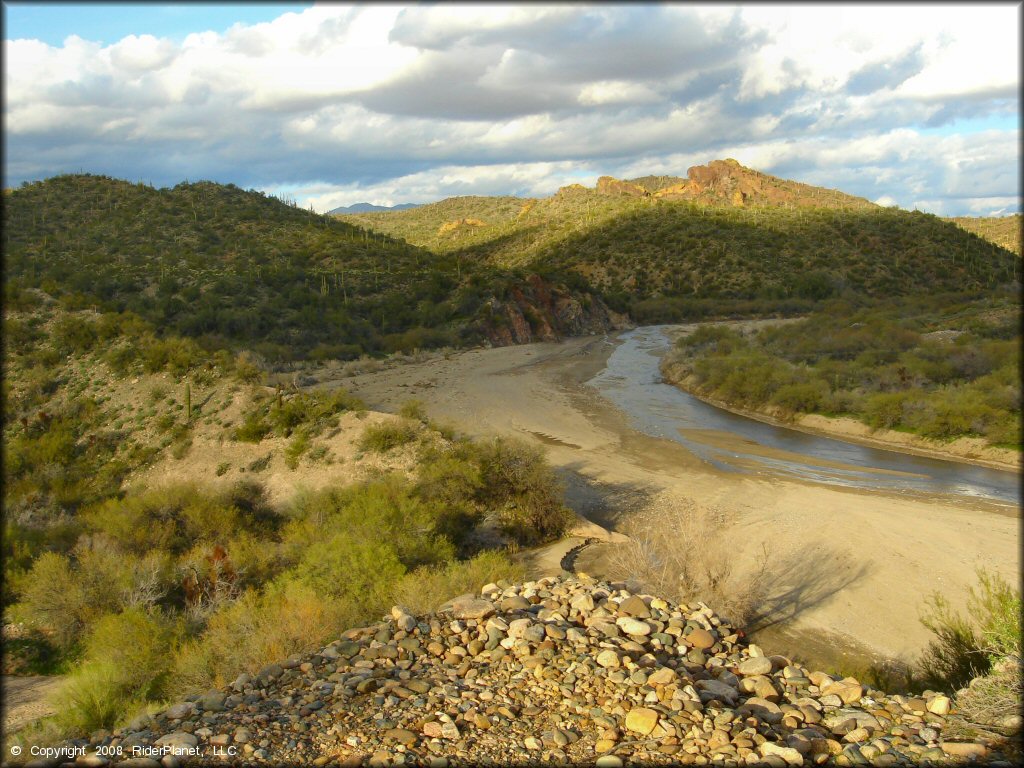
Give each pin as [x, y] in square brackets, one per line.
[732, 443]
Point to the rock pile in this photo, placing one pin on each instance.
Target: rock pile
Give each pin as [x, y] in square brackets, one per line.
[563, 670]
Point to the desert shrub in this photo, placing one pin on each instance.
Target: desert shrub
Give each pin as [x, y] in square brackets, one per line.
[335, 352]
[296, 447]
[448, 477]
[67, 596]
[19, 335]
[385, 510]
[143, 522]
[416, 338]
[120, 358]
[73, 333]
[206, 517]
[427, 587]
[248, 368]
[174, 517]
[965, 647]
[361, 572]
[716, 339]
[53, 599]
[414, 410]
[953, 657]
[89, 699]
[174, 354]
[682, 553]
[22, 544]
[386, 436]
[253, 429]
[885, 409]
[996, 608]
[804, 397]
[992, 701]
[518, 481]
[255, 559]
[127, 660]
[259, 628]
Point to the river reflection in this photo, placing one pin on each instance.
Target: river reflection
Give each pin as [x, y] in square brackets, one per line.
[735, 443]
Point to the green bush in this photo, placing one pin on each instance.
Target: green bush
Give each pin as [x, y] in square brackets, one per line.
[386, 436]
[127, 661]
[359, 571]
[805, 397]
[74, 334]
[427, 587]
[518, 481]
[967, 647]
[67, 597]
[253, 429]
[259, 628]
[885, 410]
[91, 699]
[296, 447]
[414, 410]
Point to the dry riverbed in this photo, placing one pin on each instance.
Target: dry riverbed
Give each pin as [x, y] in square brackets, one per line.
[843, 562]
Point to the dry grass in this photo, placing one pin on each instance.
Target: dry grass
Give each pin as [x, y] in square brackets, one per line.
[684, 554]
[990, 700]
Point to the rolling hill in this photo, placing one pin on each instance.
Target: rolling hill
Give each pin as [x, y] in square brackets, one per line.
[237, 269]
[724, 233]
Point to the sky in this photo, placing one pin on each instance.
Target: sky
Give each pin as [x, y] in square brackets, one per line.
[332, 104]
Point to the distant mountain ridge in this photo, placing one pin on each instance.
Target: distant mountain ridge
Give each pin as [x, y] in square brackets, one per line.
[654, 245]
[240, 270]
[369, 208]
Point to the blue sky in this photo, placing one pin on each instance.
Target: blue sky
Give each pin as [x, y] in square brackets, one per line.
[52, 22]
[335, 104]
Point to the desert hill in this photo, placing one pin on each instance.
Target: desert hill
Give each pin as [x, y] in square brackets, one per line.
[237, 269]
[725, 233]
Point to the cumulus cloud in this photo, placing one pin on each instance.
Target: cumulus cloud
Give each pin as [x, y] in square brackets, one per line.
[407, 104]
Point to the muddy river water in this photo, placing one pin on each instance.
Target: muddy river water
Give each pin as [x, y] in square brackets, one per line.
[733, 443]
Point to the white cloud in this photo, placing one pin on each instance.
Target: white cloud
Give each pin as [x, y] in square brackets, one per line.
[617, 92]
[369, 99]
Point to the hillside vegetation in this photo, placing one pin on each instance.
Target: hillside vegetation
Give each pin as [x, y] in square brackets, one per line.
[239, 270]
[143, 551]
[726, 236]
[1004, 231]
[942, 367]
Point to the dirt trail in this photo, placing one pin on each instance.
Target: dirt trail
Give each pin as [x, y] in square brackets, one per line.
[26, 699]
[849, 562]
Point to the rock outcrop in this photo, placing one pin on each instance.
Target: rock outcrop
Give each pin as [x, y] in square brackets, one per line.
[564, 670]
[535, 310]
[449, 227]
[606, 185]
[726, 182]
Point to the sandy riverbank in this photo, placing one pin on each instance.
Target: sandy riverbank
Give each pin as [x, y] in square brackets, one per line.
[842, 561]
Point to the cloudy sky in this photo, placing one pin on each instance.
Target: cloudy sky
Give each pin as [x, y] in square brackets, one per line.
[333, 104]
